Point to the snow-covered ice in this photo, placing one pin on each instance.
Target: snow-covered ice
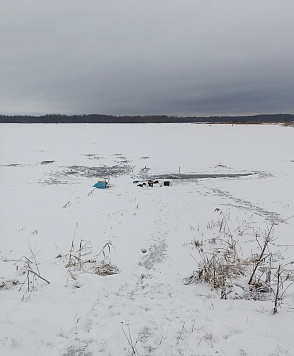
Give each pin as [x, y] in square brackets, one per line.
[48, 202]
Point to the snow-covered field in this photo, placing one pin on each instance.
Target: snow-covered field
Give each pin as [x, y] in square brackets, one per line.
[54, 224]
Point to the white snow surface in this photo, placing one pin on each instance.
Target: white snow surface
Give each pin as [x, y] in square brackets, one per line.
[48, 201]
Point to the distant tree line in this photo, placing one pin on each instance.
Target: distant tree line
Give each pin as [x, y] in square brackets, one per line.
[109, 119]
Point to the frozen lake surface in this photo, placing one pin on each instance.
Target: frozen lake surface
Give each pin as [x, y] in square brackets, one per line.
[227, 182]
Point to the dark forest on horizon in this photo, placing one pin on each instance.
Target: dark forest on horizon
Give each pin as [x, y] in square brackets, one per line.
[98, 119]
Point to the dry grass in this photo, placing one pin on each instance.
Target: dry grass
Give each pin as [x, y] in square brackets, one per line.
[105, 269]
[82, 259]
[223, 267]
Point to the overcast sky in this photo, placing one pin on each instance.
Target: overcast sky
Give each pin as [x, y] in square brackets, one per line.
[128, 57]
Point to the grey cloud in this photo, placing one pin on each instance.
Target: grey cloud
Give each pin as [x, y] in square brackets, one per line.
[130, 57]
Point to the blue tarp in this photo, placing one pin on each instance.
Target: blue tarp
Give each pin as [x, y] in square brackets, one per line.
[100, 185]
